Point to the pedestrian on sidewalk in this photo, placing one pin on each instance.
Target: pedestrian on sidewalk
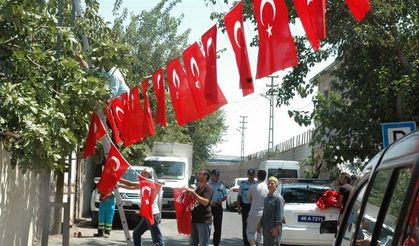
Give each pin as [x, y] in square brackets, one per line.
[145, 225]
[243, 202]
[218, 197]
[106, 213]
[201, 213]
[273, 213]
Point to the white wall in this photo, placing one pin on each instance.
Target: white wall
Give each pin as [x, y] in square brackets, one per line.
[20, 196]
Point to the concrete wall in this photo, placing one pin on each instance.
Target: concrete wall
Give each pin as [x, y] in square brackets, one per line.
[20, 199]
[231, 171]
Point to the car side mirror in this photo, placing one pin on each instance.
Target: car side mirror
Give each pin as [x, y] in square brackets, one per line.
[328, 226]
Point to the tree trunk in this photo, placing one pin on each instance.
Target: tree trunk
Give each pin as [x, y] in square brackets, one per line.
[58, 211]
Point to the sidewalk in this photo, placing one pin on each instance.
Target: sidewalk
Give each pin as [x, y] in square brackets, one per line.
[117, 237]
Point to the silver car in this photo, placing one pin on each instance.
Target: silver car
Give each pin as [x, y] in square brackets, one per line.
[130, 198]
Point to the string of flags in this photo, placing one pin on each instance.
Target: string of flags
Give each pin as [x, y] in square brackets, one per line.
[192, 79]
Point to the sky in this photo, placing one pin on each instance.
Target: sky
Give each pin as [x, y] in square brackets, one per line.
[254, 106]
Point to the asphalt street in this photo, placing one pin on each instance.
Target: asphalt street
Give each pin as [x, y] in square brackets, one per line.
[231, 234]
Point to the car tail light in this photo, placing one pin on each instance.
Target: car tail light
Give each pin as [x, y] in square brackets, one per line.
[235, 189]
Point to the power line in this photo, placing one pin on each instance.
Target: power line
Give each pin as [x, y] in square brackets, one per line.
[242, 128]
[270, 93]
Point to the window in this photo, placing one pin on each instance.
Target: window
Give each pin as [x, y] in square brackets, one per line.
[350, 226]
[303, 194]
[283, 173]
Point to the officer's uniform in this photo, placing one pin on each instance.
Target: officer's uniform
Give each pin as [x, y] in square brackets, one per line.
[219, 193]
[243, 195]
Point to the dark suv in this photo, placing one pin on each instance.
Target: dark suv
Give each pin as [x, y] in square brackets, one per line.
[383, 207]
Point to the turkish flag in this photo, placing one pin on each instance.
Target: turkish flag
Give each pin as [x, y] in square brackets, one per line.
[358, 8]
[312, 15]
[111, 119]
[149, 192]
[276, 46]
[133, 121]
[115, 167]
[118, 110]
[148, 126]
[158, 85]
[212, 91]
[195, 67]
[180, 93]
[234, 26]
[184, 203]
[96, 132]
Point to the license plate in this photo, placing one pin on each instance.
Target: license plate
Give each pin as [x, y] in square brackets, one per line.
[310, 218]
[126, 203]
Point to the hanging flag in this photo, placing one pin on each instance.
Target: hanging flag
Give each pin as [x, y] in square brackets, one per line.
[234, 26]
[158, 85]
[180, 93]
[358, 8]
[115, 167]
[134, 119]
[276, 46]
[118, 110]
[312, 16]
[148, 126]
[111, 119]
[96, 132]
[195, 67]
[213, 94]
[149, 192]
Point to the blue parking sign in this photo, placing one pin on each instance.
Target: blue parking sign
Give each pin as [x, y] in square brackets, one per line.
[395, 130]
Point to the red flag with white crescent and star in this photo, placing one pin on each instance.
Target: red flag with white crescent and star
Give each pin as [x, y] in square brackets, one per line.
[180, 93]
[111, 119]
[133, 119]
[149, 192]
[312, 15]
[234, 26]
[96, 132]
[276, 46]
[115, 167]
[212, 91]
[158, 85]
[118, 106]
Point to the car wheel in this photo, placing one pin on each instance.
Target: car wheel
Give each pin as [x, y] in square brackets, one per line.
[95, 218]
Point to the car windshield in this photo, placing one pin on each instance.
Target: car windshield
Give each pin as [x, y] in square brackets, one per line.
[302, 193]
[167, 169]
[131, 175]
[282, 173]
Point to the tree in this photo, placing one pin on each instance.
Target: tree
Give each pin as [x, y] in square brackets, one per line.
[45, 98]
[376, 76]
[155, 40]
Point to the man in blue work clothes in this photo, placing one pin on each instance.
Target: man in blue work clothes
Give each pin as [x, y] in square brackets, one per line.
[243, 202]
[218, 197]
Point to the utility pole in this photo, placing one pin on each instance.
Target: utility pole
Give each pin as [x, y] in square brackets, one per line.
[242, 128]
[270, 93]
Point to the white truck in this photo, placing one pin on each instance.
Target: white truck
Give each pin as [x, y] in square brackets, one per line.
[173, 165]
[281, 169]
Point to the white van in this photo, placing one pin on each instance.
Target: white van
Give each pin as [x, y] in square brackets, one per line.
[281, 169]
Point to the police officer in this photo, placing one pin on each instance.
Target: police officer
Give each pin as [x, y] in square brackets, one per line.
[218, 197]
[243, 202]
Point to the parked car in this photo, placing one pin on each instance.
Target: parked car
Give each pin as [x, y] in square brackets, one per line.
[231, 202]
[130, 198]
[302, 216]
[383, 207]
